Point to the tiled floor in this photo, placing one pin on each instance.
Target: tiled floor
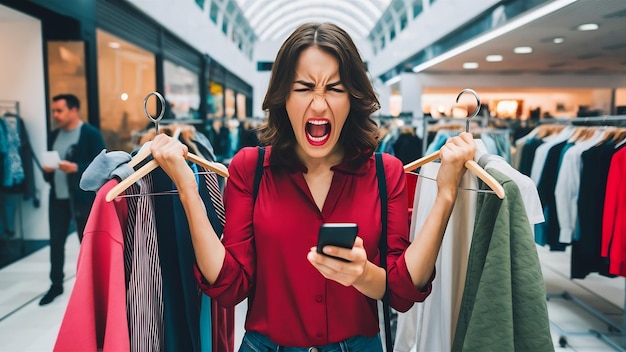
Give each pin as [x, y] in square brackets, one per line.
[25, 326]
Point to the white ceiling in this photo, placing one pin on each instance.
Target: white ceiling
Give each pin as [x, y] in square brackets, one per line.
[595, 52]
[275, 19]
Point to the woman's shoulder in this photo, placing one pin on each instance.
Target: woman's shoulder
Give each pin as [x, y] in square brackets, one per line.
[248, 154]
[246, 159]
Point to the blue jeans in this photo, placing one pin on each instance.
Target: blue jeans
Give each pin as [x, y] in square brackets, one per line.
[255, 342]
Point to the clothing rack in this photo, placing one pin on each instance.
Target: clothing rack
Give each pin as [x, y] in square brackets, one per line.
[585, 120]
[13, 107]
[482, 121]
[614, 329]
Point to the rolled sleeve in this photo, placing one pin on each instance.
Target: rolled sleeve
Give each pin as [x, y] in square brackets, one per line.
[403, 294]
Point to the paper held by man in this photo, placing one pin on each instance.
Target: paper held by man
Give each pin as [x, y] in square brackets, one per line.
[51, 159]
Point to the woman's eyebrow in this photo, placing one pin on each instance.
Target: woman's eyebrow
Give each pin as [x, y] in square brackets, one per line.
[306, 84]
[312, 85]
[334, 84]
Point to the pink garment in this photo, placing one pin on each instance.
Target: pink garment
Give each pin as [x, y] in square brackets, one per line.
[613, 221]
[95, 317]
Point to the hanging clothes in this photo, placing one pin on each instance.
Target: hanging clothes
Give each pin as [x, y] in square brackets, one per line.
[144, 296]
[95, 317]
[613, 221]
[503, 272]
[586, 250]
[568, 184]
[429, 326]
[10, 143]
[548, 232]
[163, 309]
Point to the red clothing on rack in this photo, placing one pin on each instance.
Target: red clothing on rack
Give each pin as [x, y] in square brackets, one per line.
[292, 303]
[95, 317]
[613, 219]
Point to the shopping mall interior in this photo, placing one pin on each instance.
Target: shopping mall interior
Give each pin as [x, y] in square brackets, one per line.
[529, 63]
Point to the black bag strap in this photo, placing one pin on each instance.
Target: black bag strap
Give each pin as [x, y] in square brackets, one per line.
[382, 246]
[258, 173]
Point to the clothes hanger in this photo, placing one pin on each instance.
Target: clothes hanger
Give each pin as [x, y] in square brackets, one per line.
[218, 168]
[469, 164]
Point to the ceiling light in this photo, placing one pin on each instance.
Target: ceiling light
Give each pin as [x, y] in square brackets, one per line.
[393, 80]
[588, 27]
[494, 58]
[512, 25]
[523, 50]
[558, 40]
[114, 45]
[470, 65]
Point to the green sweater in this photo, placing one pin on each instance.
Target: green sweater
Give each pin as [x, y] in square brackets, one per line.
[504, 300]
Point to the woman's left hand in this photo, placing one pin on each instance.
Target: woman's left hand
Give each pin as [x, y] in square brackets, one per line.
[346, 273]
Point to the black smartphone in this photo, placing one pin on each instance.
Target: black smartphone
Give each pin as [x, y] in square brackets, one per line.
[336, 234]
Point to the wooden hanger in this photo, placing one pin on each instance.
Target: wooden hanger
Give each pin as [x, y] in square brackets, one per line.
[469, 164]
[218, 168]
[144, 152]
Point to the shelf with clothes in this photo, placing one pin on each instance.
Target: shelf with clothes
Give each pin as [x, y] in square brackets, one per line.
[576, 164]
[497, 140]
[10, 200]
[17, 181]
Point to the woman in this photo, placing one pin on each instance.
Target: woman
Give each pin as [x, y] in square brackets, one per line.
[318, 168]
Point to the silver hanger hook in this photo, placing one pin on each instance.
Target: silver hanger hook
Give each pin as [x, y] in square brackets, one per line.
[145, 109]
[476, 111]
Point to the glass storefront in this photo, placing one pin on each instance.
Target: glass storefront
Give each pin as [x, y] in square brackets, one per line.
[241, 106]
[66, 73]
[182, 91]
[229, 102]
[126, 74]
[215, 101]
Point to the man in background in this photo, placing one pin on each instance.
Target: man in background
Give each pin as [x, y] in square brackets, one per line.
[77, 143]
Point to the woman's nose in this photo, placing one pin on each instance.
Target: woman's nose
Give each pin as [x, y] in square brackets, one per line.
[319, 102]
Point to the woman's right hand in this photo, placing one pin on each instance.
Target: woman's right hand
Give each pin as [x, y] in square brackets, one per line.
[454, 153]
[171, 156]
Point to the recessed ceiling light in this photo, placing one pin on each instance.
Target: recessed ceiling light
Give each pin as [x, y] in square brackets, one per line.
[588, 27]
[470, 65]
[494, 58]
[114, 45]
[558, 40]
[523, 50]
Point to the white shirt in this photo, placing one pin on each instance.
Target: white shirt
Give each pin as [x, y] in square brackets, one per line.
[568, 186]
[541, 154]
[430, 325]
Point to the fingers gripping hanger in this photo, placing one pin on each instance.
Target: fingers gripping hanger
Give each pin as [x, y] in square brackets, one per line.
[469, 164]
[144, 152]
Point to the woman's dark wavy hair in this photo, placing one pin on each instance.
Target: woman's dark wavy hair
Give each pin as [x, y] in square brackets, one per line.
[360, 133]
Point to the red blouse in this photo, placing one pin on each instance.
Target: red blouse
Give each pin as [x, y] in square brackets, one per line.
[266, 250]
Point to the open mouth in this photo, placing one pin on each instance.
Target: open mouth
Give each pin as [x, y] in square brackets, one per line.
[317, 131]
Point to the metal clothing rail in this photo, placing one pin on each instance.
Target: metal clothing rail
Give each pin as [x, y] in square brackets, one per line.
[614, 329]
[583, 120]
[482, 121]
